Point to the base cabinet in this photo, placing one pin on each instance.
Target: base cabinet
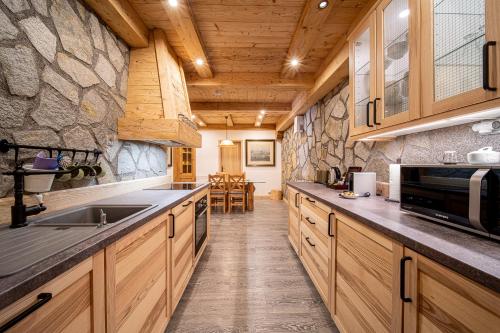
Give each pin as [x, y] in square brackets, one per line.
[440, 300]
[293, 219]
[136, 271]
[367, 279]
[75, 302]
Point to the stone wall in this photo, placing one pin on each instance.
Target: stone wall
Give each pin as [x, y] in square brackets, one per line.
[63, 82]
[324, 143]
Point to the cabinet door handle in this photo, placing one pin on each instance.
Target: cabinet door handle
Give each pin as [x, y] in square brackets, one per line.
[173, 226]
[308, 220]
[330, 224]
[486, 66]
[375, 111]
[42, 299]
[185, 205]
[402, 275]
[307, 239]
[368, 114]
[311, 201]
[297, 200]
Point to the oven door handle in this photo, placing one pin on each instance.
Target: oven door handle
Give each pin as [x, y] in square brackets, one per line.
[203, 212]
[475, 199]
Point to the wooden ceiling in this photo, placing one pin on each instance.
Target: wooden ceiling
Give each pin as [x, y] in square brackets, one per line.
[246, 47]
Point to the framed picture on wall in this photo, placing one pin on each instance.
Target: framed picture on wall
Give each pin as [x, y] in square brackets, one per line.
[169, 156]
[260, 153]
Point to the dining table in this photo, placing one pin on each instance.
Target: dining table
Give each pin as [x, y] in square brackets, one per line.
[250, 190]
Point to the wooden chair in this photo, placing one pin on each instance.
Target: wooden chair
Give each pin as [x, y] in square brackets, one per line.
[236, 192]
[218, 192]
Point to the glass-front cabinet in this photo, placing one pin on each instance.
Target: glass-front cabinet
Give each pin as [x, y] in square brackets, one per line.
[384, 67]
[461, 56]
[362, 64]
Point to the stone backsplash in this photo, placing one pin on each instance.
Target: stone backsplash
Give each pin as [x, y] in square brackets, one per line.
[324, 143]
[63, 82]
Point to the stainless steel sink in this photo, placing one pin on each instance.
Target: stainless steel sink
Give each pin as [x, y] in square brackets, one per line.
[47, 236]
[91, 215]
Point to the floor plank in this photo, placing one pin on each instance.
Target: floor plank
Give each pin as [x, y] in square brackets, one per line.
[250, 280]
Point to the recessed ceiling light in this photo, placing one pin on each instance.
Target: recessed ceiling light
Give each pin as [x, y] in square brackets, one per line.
[260, 116]
[404, 13]
[294, 62]
[199, 61]
[323, 4]
[193, 116]
[173, 3]
[262, 111]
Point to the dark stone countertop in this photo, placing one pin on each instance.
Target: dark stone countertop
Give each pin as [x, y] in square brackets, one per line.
[16, 286]
[473, 256]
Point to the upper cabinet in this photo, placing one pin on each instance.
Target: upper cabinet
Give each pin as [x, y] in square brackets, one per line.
[460, 53]
[384, 67]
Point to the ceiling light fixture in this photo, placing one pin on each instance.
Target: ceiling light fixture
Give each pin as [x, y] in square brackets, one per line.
[260, 116]
[226, 141]
[193, 116]
[199, 61]
[173, 3]
[404, 13]
[262, 112]
[294, 62]
[323, 4]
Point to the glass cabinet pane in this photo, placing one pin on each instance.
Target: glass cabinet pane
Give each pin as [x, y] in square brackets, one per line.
[396, 57]
[459, 35]
[361, 77]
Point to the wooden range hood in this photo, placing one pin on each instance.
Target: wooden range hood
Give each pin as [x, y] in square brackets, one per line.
[158, 109]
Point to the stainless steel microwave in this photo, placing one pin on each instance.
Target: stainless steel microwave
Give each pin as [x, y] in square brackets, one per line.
[462, 196]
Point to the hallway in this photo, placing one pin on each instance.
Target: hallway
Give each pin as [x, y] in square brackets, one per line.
[250, 280]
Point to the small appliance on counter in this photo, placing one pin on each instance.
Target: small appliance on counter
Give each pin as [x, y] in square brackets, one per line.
[321, 177]
[463, 196]
[484, 155]
[363, 182]
[394, 182]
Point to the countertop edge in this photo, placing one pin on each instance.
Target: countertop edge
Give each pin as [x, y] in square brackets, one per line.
[473, 273]
[100, 241]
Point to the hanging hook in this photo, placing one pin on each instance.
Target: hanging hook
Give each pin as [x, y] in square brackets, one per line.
[50, 152]
[73, 156]
[86, 156]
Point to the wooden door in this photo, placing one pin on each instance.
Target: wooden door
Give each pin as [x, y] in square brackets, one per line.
[77, 302]
[230, 159]
[444, 301]
[293, 219]
[136, 273]
[398, 62]
[181, 249]
[184, 160]
[367, 279]
[362, 76]
[454, 35]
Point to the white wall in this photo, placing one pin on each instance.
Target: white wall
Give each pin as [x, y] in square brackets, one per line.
[207, 158]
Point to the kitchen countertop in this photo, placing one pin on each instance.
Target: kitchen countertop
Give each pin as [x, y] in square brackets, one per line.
[16, 286]
[472, 256]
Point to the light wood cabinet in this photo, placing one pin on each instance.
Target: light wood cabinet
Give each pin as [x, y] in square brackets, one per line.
[184, 160]
[384, 67]
[460, 53]
[293, 219]
[181, 249]
[136, 276]
[72, 302]
[367, 279]
[440, 300]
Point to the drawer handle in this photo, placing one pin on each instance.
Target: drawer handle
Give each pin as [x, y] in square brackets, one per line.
[402, 273]
[307, 239]
[42, 299]
[308, 220]
[189, 202]
[173, 226]
[297, 200]
[311, 201]
[330, 224]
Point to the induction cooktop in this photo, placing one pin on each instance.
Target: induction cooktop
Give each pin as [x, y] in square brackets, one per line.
[176, 186]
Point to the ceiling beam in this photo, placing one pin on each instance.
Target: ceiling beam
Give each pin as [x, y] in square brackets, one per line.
[307, 31]
[263, 80]
[237, 127]
[334, 73]
[183, 23]
[123, 19]
[243, 107]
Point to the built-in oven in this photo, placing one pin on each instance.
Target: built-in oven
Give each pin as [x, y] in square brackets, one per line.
[200, 223]
[463, 196]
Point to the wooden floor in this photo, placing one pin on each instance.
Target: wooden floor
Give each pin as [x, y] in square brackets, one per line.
[250, 280]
